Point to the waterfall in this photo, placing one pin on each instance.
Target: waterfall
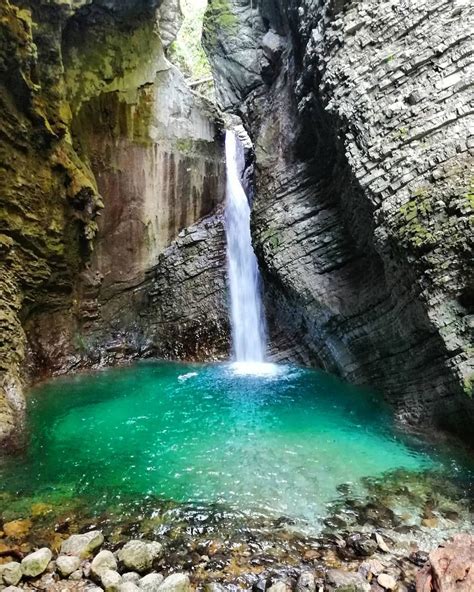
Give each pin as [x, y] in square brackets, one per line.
[248, 327]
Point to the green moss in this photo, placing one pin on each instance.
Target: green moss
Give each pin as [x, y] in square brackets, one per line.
[468, 385]
[218, 18]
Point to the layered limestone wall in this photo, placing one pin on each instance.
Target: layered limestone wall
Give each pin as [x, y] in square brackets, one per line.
[113, 168]
[362, 221]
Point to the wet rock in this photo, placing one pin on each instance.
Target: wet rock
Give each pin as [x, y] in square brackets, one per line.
[343, 581]
[82, 545]
[10, 573]
[151, 582]
[306, 582]
[139, 555]
[67, 564]
[36, 563]
[360, 545]
[387, 581]
[103, 561]
[382, 545]
[178, 582]
[450, 568]
[111, 580]
[419, 558]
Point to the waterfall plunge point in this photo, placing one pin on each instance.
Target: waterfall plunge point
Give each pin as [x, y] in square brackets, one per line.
[247, 318]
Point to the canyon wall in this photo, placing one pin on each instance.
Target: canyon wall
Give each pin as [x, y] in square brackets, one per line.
[362, 220]
[112, 239]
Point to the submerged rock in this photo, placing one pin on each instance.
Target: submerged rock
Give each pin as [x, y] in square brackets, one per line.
[82, 545]
[36, 563]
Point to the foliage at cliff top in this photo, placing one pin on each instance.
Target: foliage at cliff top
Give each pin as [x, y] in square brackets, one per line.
[186, 51]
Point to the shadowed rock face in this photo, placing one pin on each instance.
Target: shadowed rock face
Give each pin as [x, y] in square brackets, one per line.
[362, 217]
[108, 159]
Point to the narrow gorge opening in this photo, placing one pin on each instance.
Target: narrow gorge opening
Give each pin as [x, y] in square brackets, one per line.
[235, 249]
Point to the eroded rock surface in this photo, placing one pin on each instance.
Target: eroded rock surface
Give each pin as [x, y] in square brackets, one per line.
[362, 218]
[95, 119]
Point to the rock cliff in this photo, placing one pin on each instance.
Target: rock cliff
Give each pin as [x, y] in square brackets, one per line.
[362, 220]
[112, 175]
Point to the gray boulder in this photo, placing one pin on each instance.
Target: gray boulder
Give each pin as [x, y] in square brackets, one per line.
[131, 576]
[178, 582]
[138, 555]
[67, 564]
[103, 561]
[151, 582]
[346, 581]
[128, 587]
[10, 573]
[82, 545]
[111, 580]
[36, 563]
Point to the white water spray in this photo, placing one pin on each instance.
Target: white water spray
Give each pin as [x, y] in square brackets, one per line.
[248, 328]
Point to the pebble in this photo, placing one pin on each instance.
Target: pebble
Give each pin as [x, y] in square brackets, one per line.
[131, 576]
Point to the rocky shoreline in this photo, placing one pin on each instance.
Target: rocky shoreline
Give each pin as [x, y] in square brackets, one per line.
[88, 562]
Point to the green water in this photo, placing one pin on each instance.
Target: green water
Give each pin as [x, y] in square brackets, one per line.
[277, 443]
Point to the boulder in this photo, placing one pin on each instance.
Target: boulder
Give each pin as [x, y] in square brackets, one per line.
[13, 589]
[346, 581]
[450, 568]
[178, 582]
[103, 561]
[82, 545]
[138, 555]
[36, 563]
[67, 564]
[128, 587]
[10, 573]
[151, 582]
[131, 576]
[111, 580]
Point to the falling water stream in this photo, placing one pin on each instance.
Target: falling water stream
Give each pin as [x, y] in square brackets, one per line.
[248, 328]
